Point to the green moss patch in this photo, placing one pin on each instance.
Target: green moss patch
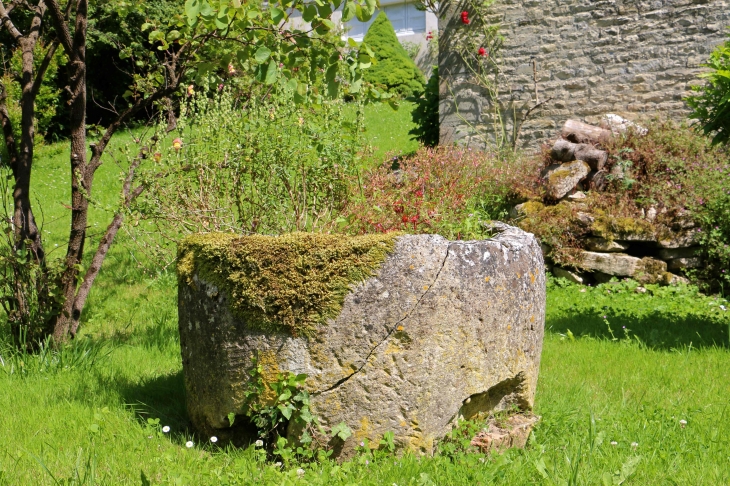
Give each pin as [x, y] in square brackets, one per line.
[614, 228]
[290, 283]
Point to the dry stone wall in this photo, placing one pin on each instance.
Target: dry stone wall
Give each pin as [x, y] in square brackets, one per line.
[631, 58]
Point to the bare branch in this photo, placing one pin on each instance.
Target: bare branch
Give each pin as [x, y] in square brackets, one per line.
[8, 24]
[43, 67]
[59, 23]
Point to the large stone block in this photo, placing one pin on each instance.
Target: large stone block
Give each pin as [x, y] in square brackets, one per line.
[439, 330]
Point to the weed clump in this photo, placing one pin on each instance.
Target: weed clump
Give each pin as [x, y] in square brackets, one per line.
[290, 283]
[445, 190]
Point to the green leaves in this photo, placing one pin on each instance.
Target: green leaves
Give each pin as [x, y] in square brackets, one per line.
[349, 12]
[342, 431]
[192, 10]
[262, 54]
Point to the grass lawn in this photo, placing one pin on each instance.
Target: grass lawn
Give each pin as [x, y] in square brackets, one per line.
[612, 390]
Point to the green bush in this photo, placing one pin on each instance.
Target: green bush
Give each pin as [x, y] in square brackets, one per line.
[426, 113]
[263, 165]
[711, 103]
[49, 95]
[394, 71]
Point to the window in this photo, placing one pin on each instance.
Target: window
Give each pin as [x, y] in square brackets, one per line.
[406, 20]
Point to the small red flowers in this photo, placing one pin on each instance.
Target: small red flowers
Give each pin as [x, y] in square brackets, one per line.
[419, 193]
[465, 17]
[404, 219]
[429, 36]
[483, 52]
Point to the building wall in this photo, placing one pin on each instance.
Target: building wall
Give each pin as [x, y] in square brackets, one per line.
[632, 58]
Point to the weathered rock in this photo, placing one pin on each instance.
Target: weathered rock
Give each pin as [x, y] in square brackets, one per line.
[442, 330]
[592, 156]
[579, 132]
[525, 208]
[645, 270]
[574, 277]
[672, 253]
[683, 239]
[597, 180]
[618, 124]
[561, 179]
[651, 214]
[585, 219]
[563, 151]
[510, 433]
[606, 246]
[617, 264]
[676, 264]
[672, 279]
[577, 196]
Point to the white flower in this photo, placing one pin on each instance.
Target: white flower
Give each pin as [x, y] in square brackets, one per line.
[277, 464]
[300, 472]
[723, 307]
[682, 423]
[214, 439]
[614, 443]
[634, 445]
[259, 443]
[189, 444]
[166, 429]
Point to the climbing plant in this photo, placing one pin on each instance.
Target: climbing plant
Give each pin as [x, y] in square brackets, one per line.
[478, 44]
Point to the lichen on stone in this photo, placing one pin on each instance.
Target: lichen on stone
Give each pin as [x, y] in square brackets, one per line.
[614, 228]
[290, 283]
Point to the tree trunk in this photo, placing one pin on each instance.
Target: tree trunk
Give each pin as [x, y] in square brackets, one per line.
[81, 176]
[579, 132]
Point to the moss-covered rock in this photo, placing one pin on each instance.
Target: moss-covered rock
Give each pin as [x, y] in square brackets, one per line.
[286, 283]
[622, 228]
[440, 325]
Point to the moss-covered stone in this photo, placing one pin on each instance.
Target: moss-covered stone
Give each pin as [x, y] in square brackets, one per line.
[289, 283]
[622, 228]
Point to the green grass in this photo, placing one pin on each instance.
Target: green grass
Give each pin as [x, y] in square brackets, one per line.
[88, 414]
[386, 130]
[76, 415]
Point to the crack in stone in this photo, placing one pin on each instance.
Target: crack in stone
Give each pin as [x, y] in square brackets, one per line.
[395, 326]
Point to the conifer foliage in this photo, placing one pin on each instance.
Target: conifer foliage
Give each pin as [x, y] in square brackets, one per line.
[394, 70]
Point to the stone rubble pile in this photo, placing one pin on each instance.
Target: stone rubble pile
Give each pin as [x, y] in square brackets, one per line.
[641, 248]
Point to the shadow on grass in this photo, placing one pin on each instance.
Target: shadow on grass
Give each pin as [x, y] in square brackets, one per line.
[657, 330]
[160, 397]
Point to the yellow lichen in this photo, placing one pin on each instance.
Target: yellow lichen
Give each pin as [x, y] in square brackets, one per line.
[611, 228]
[290, 283]
[270, 373]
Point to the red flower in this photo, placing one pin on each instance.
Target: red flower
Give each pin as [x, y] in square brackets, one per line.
[483, 52]
[414, 218]
[429, 36]
[465, 17]
[404, 218]
[419, 193]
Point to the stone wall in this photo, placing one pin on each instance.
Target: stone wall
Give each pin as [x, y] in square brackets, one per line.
[632, 58]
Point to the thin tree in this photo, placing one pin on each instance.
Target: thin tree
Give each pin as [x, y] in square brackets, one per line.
[259, 34]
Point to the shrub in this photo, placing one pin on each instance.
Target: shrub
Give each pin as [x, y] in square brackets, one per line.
[426, 113]
[394, 71]
[49, 96]
[446, 190]
[711, 103]
[253, 165]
